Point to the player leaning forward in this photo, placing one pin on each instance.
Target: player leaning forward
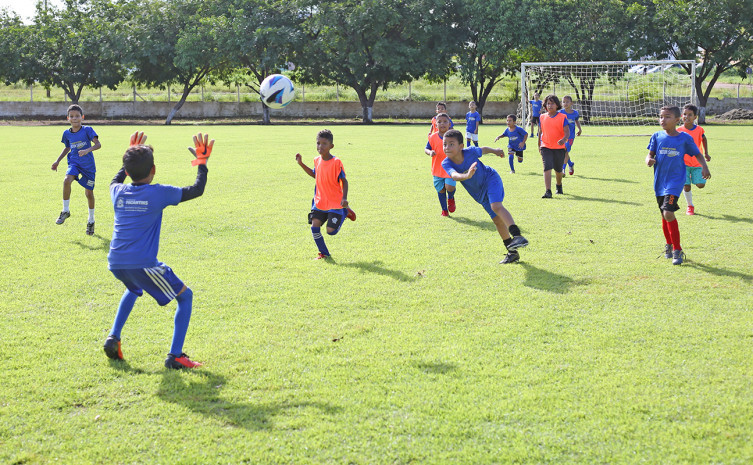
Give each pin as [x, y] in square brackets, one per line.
[135, 241]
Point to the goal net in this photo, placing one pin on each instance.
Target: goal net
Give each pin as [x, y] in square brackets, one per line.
[611, 93]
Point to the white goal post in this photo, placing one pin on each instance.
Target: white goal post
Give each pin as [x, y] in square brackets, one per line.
[611, 93]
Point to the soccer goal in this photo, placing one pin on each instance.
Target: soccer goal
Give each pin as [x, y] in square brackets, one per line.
[611, 93]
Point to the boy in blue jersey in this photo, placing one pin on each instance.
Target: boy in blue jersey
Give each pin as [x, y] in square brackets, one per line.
[666, 152]
[573, 118]
[517, 138]
[536, 105]
[80, 141]
[135, 241]
[472, 120]
[485, 186]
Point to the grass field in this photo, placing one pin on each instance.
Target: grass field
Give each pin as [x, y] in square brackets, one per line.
[413, 345]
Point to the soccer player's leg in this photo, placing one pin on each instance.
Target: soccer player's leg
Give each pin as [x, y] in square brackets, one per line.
[316, 219]
[450, 186]
[177, 359]
[133, 291]
[511, 160]
[439, 186]
[559, 159]
[86, 180]
[335, 220]
[668, 207]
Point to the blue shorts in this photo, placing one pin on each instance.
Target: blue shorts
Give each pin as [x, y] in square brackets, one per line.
[440, 183]
[569, 144]
[693, 175]
[495, 192]
[85, 178]
[158, 281]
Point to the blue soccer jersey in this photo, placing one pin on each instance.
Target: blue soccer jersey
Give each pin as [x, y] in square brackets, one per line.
[80, 140]
[536, 107]
[472, 120]
[138, 221]
[669, 170]
[571, 119]
[515, 138]
[478, 184]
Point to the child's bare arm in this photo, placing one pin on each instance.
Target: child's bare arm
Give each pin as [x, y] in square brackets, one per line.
[498, 152]
[62, 154]
[308, 170]
[94, 147]
[499, 137]
[525, 138]
[567, 136]
[462, 177]
[429, 152]
[577, 124]
[705, 173]
[651, 158]
[706, 147]
[344, 201]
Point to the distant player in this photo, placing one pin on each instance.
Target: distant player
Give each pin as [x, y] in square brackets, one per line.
[443, 183]
[135, 241]
[472, 121]
[692, 167]
[536, 105]
[80, 141]
[485, 186]
[573, 118]
[440, 108]
[330, 204]
[516, 137]
[552, 137]
[666, 152]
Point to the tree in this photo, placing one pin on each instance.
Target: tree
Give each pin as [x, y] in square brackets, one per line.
[13, 34]
[172, 42]
[369, 44]
[719, 34]
[76, 46]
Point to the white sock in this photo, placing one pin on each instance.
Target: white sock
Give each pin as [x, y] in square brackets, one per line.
[65, 205]
[689, 197]
[91, 215]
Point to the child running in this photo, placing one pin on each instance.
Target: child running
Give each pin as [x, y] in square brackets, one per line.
[554, 132]
[573, 118]
[516, 144]
[692, 167]
[443, 183]
[485, 186]
[135, 241]
[535, 113]
[666, 151]
[80, 141]
[440, 108]
[330, 203]
[472, 120]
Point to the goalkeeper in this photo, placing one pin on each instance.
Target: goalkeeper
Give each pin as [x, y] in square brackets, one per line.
[135, 241]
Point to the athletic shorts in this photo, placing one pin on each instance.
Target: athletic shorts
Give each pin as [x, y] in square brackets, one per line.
[333, 218]
[440, 183]
[667, 203]
[511, 151]
[693, 175]
[85, 178]
[471, 136]
[569, 144]
[158, 281]
[552, 158]
[534, 120]
[495, 192]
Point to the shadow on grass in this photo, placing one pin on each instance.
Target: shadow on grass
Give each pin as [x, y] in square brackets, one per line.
[124, 366]
[435, 368]
[199, 392]
[489, 225]
[377, 268]
[629, 181]
[730, 218]
[596, 199]
[720, 271]
[548, 281]
[104, 244]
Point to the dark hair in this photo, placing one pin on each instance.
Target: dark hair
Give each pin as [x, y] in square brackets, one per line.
[454, 134]
[514, 118]
[443, 114]
[443, 104]
[138, 161]
[554, 99]
[326, 134]
[74, 107]
[692, 108]
[675, 110]
[567, 97]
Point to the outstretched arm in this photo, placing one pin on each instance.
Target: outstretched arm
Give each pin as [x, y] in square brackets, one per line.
[308, 170]
[202, 150]
[62, 154]
[498, 152]
[463, 177]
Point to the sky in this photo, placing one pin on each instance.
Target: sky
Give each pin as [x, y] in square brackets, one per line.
[25, 8]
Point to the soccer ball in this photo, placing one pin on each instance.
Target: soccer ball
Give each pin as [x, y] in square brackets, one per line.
[276, 91]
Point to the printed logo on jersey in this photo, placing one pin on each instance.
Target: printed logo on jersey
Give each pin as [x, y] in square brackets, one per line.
[669, 152]
[79, 144]
[119, 203]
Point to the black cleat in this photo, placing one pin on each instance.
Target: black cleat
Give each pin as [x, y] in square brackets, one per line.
[547, 195]
[63, 216]
[518, 242]
[90, 229]
[511, 257]
[112, 348]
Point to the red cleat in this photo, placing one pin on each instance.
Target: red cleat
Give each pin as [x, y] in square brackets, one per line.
[572, 170]
[451, 205]
[445, 213]
[351, 215]
[321, 256]
[180, 362]
[691, 210]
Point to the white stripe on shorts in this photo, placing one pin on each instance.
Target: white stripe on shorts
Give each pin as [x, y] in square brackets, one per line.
[160, 282]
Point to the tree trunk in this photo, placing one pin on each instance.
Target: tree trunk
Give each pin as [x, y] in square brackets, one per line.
[265, 115]
[186, 91]
[703, 98]
[368, 112]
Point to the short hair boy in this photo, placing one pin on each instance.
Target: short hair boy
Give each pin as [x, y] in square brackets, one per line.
[692, 167]
[440, 108]
[573, 120]
[80, 141]
[536, 105]
[135, 241]
[485, 186]
[666, 151]
[472, 120]
[443, 183]
[516, 140]
[330, 203]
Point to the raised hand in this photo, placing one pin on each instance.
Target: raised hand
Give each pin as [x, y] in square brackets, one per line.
[137, 138]
[202, 149]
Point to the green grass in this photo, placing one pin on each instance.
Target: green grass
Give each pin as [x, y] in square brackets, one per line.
[413, 345]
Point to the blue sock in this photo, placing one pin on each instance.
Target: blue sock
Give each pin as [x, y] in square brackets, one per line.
[442, 200]
[317, 233]
[512, 159]
[570, 162]
[468, 142]
[124, 309]
[563, 166]
[475, 143]
[182, 317]
[451, 194]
